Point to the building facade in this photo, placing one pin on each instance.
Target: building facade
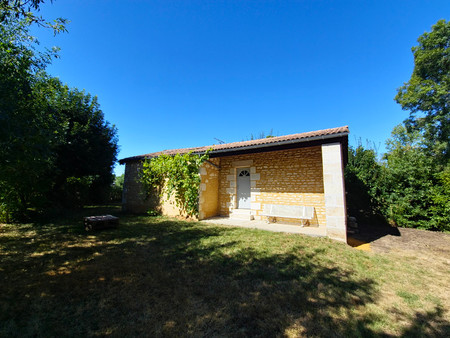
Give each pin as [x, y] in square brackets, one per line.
[241, 178]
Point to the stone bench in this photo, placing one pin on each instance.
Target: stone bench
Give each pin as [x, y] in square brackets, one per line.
[305, 214]
[100, 222]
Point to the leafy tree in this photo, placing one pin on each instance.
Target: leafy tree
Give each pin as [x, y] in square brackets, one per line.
[410, 187]
[55, 146]
[440, 195]
[410, 179]
[418, 157]
[405, 188]
[117, 188]
[364, 178]
[17, 8]
[25, 140]
[427, 94]
[13, 10]
[87, 147]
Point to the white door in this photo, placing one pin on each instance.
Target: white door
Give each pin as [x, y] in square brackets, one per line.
[243, 188]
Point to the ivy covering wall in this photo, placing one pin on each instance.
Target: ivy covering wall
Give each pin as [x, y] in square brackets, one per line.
[177, 176]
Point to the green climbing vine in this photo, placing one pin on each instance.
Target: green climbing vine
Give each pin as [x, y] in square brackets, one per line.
[176, 176]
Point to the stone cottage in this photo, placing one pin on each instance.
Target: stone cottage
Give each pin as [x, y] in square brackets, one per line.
[287, 179]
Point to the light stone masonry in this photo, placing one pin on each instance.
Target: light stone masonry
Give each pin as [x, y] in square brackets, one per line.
[309, 176]
[333, 173]
[288, 177]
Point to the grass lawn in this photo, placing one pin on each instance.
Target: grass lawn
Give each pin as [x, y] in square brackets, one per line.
[157, 276]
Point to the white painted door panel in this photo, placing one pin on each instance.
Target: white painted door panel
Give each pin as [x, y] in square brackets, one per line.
[243, 188]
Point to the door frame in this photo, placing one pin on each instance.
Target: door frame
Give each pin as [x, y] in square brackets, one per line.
[237, 186]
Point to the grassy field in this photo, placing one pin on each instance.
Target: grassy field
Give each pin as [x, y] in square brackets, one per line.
[156, 276]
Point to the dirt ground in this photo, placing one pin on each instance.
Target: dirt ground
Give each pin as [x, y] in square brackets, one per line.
[407, 241]
[414, 240]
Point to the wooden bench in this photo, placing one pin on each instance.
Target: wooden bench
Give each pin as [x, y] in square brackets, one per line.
[100, 222]
[288, 211]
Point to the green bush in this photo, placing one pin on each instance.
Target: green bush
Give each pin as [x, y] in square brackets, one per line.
[152, 212]
[407, 188]
[117, 188]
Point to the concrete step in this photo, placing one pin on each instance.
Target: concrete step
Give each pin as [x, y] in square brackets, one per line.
[244, 214]
[241, 211]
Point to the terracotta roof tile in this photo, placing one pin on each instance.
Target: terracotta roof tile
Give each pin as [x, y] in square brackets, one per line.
[252, 143]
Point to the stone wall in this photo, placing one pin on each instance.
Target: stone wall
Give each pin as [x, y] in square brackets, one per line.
[209, 189]
[287, 177]
[136, 200]
[311, 176]
[134, 197]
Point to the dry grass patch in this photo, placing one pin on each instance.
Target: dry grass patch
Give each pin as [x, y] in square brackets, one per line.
[159, 277]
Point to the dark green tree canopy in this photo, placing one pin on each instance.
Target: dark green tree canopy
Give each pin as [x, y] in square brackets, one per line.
[427, 94]
[410, 186]
[55, 145]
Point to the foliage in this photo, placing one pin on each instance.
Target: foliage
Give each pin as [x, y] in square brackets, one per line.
[17, 9]
[26, 130]
[153, 212]
[176, 176]
[261, 135]
[88, 145]
[12, 10]
[405, 188]
[410, 186]
[418, 156]
[440, 195]
[427, 94]
[55, 146]
[410, 180]
[364, 177]
[117, 188]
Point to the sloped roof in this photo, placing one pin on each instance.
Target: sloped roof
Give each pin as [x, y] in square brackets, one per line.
[252, 144]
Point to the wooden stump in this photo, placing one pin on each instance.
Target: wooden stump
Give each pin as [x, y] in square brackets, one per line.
[100, 222]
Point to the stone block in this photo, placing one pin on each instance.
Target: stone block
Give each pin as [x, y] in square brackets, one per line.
[242, 163]
[255, 177]
[337, 211]
[337, 234]
[337, 222]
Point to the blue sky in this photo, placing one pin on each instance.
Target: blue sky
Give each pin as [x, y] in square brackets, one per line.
[176, 74]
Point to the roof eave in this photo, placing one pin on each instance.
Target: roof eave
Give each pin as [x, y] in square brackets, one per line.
[217, 152]
[278, 144]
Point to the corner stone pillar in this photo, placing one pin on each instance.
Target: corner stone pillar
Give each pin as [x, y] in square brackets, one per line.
[333, 181]
[134, 198]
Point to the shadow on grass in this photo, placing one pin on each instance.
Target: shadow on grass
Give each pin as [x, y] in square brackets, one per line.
[428, 324]
[162, 277]
[371, 232]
